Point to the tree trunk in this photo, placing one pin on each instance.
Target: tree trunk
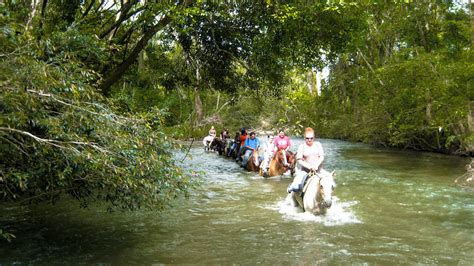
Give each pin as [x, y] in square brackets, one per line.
[32, 13]
[43, 12]
[197, 96]
[470, 123]
[115, 74]
[471, 7]
[218, 98]
[141, 55]
[89, 8]
[141, 61]
[319, 82]
[429, 116]
[310, 81]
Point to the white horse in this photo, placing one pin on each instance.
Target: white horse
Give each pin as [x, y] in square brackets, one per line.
[207, 142]
[317, 193]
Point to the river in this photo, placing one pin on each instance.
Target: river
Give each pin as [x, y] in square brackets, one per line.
[390, 207]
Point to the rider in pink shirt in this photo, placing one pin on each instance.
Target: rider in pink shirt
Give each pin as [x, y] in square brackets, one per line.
[283, 143]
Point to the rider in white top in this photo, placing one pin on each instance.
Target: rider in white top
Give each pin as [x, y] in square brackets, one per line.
[209, 138]
[212, 132]
[309, 157]
[268, 148]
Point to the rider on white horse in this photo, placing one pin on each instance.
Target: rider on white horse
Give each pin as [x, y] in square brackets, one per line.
[309, 157]
[268, 149]
[208, 139]
[212, 132]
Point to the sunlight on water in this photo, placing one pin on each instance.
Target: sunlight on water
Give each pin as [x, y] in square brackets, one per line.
[338, 214]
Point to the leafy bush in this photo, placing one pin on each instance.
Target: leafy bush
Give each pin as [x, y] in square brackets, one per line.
[58, 136]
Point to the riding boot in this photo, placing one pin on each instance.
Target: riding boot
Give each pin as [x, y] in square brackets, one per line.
[292, 187]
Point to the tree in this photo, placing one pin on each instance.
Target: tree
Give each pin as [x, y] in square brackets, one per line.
[60, 138]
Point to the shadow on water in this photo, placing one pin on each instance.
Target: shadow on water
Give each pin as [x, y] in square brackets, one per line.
[66, 233]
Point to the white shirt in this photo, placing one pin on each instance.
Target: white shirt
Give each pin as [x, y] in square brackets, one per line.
[268, 147]
[310, 154]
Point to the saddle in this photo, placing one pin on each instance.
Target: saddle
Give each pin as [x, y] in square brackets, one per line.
[305, 182]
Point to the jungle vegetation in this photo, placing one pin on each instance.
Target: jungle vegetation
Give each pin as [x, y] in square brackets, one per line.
[94, 92]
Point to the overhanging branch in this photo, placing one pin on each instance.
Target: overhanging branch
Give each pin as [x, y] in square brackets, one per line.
[57, 143]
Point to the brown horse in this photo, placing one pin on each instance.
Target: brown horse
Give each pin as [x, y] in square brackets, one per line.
[253, 164]
[277, 166]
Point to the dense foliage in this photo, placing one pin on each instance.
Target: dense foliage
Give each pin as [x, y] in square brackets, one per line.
[407, 84]
[400, 75]
[59, 136]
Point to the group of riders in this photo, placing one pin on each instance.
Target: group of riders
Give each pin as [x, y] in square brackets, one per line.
[273, 157]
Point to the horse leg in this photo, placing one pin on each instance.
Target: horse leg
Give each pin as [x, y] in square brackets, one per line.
[296, 200]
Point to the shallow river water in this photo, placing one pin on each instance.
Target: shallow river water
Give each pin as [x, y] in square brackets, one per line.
[389, 207]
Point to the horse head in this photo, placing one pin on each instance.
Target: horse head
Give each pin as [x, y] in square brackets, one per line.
[277, 164]
[291, 159]
[326, 186]
[255, 158]
[253, 162]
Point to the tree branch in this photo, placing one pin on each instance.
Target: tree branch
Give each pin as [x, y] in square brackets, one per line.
[123, 16]
[108, 115]
[368, 64]
[18, 146]
[229, 53]
[56, 143]
[88, 9]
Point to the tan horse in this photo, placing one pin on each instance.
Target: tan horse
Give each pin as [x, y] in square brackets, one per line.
[316, 197]
[277, 167]
[253, 164]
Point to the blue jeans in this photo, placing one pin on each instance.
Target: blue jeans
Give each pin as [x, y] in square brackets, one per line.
[298, 181]
[233, 147]
[246, 157]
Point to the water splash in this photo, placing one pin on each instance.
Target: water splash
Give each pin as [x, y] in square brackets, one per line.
[338, 214]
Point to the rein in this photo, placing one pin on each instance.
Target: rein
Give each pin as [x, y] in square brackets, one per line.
[313, 175]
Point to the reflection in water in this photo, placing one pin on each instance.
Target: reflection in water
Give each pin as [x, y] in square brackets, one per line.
[389, 207]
